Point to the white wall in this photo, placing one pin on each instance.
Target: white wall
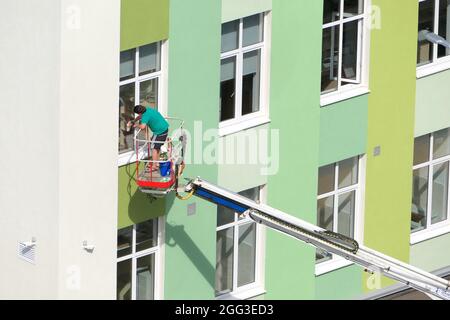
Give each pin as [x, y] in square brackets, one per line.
[59, 65]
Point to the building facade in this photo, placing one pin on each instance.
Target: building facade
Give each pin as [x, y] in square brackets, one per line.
[335, 111]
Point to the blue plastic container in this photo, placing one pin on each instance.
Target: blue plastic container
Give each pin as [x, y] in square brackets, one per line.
[164, 168]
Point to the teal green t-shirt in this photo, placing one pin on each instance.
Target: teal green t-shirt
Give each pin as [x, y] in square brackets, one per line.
[155, 121]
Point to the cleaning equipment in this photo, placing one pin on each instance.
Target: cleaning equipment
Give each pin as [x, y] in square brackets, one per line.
[164, 168]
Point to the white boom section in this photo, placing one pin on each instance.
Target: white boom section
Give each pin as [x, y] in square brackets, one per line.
[371, 260]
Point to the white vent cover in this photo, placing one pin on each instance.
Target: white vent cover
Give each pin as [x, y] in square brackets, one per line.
[27, 252]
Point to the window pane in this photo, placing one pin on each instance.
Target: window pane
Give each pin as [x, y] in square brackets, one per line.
[346, 214]
[330, 59]
[149, 58]
[331, 10]
[251, 82]
[441, 143]
[444, 26]
[126, 113]
[353, 8]
[326, 179]
[227, 88]
[127, 67]
[253, 30]
[224, 216]
[419, 200]
[148, 95]
[224, 261]
[440, 193]
[348, 172]
[246, 254]
[350, 51]
[325, 208]
[252, 193]
[426, 22]
[145, 281]
[230, 36]
[124, 241]
[421, 149]
[146, 235]
[124, 280]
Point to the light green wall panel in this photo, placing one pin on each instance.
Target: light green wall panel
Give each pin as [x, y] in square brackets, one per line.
[143, 22]
[235, 9]
[194, 77]
[134, 206]
[295, 112]
[245, 174]
[391, 126]
[341, 284]
[343, 130]
[431, 255]
[433, 103]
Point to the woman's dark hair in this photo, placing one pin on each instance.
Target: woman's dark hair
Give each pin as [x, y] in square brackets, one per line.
[139, 109]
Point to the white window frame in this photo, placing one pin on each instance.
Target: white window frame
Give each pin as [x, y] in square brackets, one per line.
[240, 122]
[162, 76]
[159, 261]
[337, 262]
[361, 85]
[257, 287]
[440, 228]
[437, 64]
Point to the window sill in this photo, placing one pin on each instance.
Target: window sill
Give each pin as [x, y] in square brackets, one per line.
[428, 234]
[243, 125]
[345, 94]
[332, 265]
[432, 68]
[243, 295]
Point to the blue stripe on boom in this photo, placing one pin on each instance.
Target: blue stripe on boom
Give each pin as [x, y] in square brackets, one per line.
[220, 201]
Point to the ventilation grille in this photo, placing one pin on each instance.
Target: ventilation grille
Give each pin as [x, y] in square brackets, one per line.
[27, 253]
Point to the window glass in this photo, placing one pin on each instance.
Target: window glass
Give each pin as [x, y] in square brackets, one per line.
[251, 79]
[325, 209]
[346, 213]
[348, 172]
[330, 59]
[127, 64]
[246, 254]
[253, 30]
[146, 235]
[420, 199]
[124, 241]
[326, 179]
[353, 8]
[230, 36]
[145, 273]
[126, 113]
[426, 22]
[440, 193]
[331, 10]
[421, 149]
[149, 58]
[350, 50]
[444, 26]
[148, 93]
[124, 280]
[441, 143]
[224, 261]
[224, 216]
[227, 88]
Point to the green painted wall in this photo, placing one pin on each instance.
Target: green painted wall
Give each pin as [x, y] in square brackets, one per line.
[143, 22]
[343, 130]
[194, 77]
[134, 206]
[235, 9]
[294, 110]
[391, 126]
[341, 284]
[432, 105]
[431, 255]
